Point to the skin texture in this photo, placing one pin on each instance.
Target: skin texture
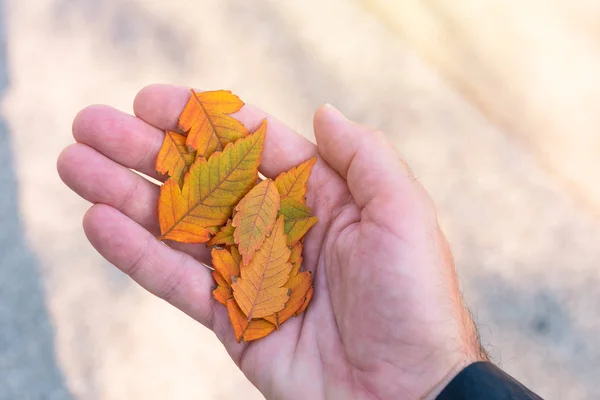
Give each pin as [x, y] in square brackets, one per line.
[387, 319]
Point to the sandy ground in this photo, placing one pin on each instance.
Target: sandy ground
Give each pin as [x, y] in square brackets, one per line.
[72, 326]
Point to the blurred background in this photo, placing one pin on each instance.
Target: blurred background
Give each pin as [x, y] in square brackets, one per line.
[494, 105]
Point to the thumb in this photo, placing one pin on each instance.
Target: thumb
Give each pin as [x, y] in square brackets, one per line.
[370, 164]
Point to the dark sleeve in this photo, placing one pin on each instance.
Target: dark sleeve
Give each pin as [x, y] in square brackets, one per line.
[483, 380]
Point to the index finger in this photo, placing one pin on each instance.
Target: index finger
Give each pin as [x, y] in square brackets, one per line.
[160, 106]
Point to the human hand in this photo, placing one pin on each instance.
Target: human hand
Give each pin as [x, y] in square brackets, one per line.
[386, 319]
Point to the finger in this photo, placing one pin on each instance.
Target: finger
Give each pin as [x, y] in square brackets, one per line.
[101, 180]
[160, 106]
[169, 274]
[121, 137]
[368, 161]
[98, 179]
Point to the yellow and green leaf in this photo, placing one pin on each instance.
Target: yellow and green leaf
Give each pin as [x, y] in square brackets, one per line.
[298, 219]
[211, 189]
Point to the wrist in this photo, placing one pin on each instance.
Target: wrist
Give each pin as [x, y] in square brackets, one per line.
[470, 352]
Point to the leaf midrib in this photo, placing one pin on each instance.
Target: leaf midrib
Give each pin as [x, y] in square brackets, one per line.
[262, 280]
[181, 153]
[297, 178]
[262, 203]
[212, 125]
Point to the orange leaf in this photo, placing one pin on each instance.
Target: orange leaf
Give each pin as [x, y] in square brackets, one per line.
[247, 330]
[293, 183]
[225, 264]
[237, 257]
[223, 290]
[212, 230]
[220, 281]
[224, 237]
[300, 285]
[209, 128]
[255, 216]
[222, 294]
[211, 189]
[306, 302]
[260, 292]
[298, 219]
[257, 329]
[296, 258]
[174, 157]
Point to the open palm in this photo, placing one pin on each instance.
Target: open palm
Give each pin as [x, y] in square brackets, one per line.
[386, 320]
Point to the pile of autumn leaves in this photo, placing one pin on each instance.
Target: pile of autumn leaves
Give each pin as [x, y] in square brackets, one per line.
[213, 195]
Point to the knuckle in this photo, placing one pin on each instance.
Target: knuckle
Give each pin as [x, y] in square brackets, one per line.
[130, 195]
[147, 155]
[173, 282]
[140, 261]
